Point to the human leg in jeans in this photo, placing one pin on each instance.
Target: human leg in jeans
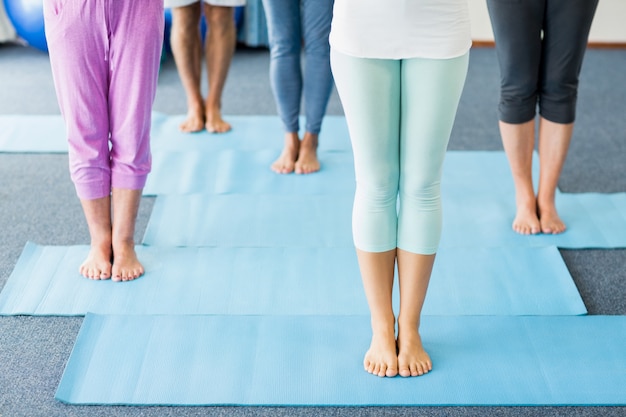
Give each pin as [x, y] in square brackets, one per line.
[292, 24]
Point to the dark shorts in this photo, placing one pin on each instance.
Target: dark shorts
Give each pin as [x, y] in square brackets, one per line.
[540, 46]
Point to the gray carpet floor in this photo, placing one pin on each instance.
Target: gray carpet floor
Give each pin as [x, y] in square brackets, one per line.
[37, 203]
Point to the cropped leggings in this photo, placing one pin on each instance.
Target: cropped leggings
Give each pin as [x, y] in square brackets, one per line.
[540, 46]
[292, 25]
[399, 114]
[105, 57]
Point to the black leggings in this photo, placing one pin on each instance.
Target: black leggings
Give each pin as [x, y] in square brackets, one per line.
[540, 46]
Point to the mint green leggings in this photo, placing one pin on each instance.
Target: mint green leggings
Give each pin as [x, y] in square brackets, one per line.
[399, 114]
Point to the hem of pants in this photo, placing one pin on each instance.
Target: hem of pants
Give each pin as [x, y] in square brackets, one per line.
[375, 249]
[563, 118]
[516, 117]
[92, 191]
[128, 182]
[424, 250]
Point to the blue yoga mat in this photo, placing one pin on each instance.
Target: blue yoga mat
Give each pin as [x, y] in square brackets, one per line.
[32, 134]
[317, 360]
[19, 133]
[469, 219]
[285, 281]
[245, 220]
[233, 171]
[249, 133]
[236, 171]
[593, 221]
[485, 172]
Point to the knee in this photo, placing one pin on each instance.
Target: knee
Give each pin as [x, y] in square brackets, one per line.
[377, 196]
[220, 18]
[518, 101]
[422, 197]
[185, 27]
[557, 102]
[186, 19]
[285, 39]
[318, 46]
[284, 46]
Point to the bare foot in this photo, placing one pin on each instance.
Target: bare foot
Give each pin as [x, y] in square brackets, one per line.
[550, 221]
[214, 121]
[286, 162]
[194, 121]
[98, 263]
[526, 221]
[381, 359]
[307, 162]
[412, 358]
[126, 265]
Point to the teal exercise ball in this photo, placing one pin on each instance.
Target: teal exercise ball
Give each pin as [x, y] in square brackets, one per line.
[26, 16]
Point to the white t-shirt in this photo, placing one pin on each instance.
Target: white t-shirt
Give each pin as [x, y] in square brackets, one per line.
[399, 29]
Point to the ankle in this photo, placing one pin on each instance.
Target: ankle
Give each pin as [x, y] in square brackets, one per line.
[101, 240]
[211, 106]
[408, 324]
[292, 142]
[101, 249]
[195, 105]
[310, 140]
[546, 204]
[526, 200]
[383, 323]
[292, 138]
[124, 243]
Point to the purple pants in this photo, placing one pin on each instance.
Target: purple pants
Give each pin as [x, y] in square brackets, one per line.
[105, 57]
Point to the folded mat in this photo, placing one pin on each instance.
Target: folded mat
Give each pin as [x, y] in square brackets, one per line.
[19, 133]
[296, 281]
[317, 360]
[470, 218]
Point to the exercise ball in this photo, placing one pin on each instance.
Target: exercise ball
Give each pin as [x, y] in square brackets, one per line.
[168, 30]
[239, 11]
[26, 16]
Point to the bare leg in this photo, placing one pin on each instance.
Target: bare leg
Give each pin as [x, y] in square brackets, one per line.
[377, 271]
[554, 140]
[307, 162]
[187, 50]
[414, 272]
[519, 143]
[220, 47]
[126, 266]
[98, 216]
[286, 162]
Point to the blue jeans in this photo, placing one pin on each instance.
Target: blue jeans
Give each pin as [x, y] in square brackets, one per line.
[293, 24]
